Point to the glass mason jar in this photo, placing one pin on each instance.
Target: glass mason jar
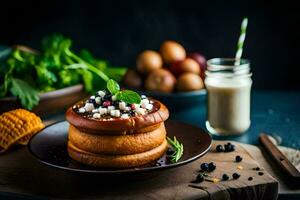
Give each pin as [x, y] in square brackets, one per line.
[228, 83]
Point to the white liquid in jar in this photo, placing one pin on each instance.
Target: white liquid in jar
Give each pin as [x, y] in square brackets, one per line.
[228, 105]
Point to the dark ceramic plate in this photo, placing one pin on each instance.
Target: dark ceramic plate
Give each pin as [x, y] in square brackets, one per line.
[50, 147]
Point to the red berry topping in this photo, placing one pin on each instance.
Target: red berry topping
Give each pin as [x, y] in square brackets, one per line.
[132, 106]
[106, 103]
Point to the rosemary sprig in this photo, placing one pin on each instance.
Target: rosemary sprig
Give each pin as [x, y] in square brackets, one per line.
[178, 148]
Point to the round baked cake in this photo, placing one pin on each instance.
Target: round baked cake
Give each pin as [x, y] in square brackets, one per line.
[106, 132]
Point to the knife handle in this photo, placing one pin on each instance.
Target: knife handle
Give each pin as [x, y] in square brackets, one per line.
[279, 157]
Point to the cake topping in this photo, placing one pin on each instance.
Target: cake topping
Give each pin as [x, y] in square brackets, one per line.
[114, 103]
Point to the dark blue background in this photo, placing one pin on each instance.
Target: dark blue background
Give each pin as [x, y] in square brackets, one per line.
[118, 31]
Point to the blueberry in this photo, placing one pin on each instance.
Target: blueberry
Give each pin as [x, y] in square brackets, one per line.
[199, 178]
[238, 158]
[107, 97]
[211, 166]
[235, 175]
[250, 179]
[260, 173]
[219, 148]
[232, 148]
[225, 177]
[204, 166]
[116, 103]
[170, 152]
[132, 112]
[229, 147]
[93, 101]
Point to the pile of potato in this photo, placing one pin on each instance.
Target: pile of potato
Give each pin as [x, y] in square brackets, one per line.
[172, 69]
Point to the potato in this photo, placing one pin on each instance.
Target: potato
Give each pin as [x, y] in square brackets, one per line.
[132, 79]
[148, 61]
[187, 65]
[172, 52]
[189, 82]
[160, 80]
[201, 60]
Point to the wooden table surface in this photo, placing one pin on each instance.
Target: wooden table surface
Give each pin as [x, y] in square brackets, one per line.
[23, 177]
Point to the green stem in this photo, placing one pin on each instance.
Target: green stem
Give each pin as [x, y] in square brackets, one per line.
[90, 67]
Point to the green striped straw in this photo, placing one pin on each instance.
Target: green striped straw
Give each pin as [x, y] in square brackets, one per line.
[240, 44]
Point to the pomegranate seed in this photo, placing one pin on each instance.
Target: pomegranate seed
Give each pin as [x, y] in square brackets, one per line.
[106, 103]
[132, 106]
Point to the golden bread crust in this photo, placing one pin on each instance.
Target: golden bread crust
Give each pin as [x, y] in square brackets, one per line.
[116, 161]
[117, 144]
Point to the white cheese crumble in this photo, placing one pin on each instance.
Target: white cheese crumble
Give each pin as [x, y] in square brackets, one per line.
[122, 105]
[140, 111]
[95, 111]
[127, 108]
[149, 106]
[101, 93]
[81, 110]
[96, 115]
[89, 107]
[98, 100]
[125, 116]
[109, 108]
[144, 103]
[113, 98]
[103, 111]
[115, 113]
[97, 106]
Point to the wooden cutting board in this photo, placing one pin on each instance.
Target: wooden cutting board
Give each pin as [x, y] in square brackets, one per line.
[21, 174]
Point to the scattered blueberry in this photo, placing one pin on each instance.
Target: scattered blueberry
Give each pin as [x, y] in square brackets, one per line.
[204, 166]
[199, 178]
[260, 173]
[257, 168]
[250, 179]
[229, 147]
[225, 177]
[238, 158]
[211, 166]
[219, 148]
[235, 176]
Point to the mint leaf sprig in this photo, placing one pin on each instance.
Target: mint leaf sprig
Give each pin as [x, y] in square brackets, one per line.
[178, 148]
[128, 96]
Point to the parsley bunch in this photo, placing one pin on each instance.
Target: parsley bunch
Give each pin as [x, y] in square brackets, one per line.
[25, 73]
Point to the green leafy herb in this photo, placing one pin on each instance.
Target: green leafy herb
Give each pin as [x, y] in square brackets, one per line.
[113, 86]
[24, 72]
[178, 148]
[28, 95]
[127, 96]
